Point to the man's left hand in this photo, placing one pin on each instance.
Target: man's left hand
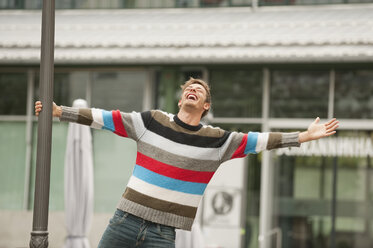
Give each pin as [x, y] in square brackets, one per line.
[317, 130]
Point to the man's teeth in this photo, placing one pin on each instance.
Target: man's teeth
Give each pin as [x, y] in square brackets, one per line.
[192, 97]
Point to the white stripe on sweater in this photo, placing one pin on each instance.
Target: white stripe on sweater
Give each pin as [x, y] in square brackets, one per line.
[98, 122]
[261, 144]
[162, 193]
[180, 149]
[138, 124]
[228, 142]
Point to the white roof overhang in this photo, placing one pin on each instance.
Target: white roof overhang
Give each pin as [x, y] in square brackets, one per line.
[163, 36]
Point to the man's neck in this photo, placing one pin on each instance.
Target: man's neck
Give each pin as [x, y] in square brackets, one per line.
[192, 119]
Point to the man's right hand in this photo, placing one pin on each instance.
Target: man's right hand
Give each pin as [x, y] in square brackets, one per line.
[57, 111]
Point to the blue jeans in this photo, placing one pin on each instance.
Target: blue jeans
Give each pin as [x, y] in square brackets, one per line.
[126, 231]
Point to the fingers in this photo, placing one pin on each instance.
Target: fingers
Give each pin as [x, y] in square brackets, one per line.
[329, 134]
[38, 107]
[331, 126]
[330, 121]
[317, 120]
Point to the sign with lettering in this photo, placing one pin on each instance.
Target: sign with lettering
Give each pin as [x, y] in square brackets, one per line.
[339, 146]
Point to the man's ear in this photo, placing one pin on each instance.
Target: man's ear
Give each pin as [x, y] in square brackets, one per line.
[206, 106]
[179, 103]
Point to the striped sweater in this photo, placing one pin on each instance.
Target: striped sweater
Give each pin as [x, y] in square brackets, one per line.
[175, 161]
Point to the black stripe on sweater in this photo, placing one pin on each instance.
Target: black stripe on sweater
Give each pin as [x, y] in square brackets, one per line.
[146, 118]
[182, 138]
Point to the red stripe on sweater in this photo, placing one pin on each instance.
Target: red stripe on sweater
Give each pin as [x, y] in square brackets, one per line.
[240, 151]
[118, 124]
[172, 171]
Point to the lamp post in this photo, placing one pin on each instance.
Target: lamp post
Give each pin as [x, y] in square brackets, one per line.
[39, 234]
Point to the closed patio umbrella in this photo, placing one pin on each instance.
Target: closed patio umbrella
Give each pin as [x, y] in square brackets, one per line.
[78, 183]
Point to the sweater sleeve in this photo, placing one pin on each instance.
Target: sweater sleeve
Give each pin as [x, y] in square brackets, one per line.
[241, 144]
[123, 124]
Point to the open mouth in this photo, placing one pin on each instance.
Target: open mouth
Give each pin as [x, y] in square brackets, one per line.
[192, 97]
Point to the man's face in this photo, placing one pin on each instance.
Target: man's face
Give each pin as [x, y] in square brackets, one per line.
[194, 96]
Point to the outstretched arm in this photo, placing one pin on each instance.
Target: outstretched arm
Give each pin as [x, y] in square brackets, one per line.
[241, 144]
[317, 130]
[120, 123]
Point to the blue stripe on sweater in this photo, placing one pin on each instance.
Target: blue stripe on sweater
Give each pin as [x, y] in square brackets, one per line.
[252, 140]
[108, 120]
[167, 182]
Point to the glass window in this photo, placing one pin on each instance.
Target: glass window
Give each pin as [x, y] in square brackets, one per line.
[299, 94]
[308, 2]
[300, 204]
[70, 86]
[186, 3]
[59, 138]
[168, 90]
[353, 94]
[186, 74]
[12, 4]
[240, 2]
[119, 90]
[114, 158]
[244, 128]
[13, 93]
[12, 164]
[303, 193]
[67, 87]
[236, 93]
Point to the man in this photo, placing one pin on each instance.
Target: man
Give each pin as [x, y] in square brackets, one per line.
[176, 158]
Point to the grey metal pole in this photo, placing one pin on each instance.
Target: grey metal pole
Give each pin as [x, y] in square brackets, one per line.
[266, 183]
[39, 234]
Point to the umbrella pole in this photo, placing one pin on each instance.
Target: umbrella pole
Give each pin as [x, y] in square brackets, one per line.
[39, 234]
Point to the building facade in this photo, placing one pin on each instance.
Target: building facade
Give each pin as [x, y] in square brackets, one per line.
[271, 68]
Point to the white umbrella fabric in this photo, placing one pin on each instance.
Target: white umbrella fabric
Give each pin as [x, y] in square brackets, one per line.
[78, 183]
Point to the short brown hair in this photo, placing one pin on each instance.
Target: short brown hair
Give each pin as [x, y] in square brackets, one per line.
[204, 84]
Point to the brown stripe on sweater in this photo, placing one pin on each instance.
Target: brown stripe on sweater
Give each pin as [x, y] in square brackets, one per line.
[176, 160]
[274, 141]
[85, 116]
[160, 205]
[206, 131]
